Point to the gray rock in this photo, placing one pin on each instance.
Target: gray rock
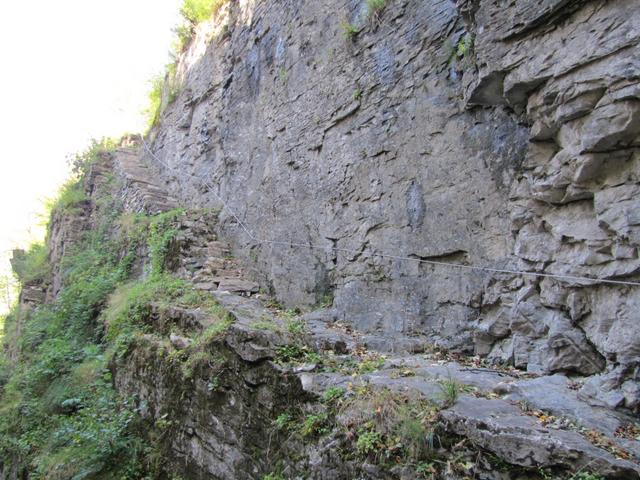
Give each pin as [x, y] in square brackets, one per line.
[501, 428]
[179, 342]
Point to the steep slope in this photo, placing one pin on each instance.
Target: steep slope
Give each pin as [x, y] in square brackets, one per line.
[227, 384]
[365, 239]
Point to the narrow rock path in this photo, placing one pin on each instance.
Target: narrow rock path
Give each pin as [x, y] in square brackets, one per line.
[526, 420]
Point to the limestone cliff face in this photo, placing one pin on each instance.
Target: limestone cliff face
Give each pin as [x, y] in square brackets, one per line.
[479, 133]
[364, 166]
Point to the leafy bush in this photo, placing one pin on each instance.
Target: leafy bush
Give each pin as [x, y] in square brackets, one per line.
[369, 442]
[332, 394]
[31, 266]
[59, 414]
[161, 232]
[315, 424]
[70, 195]
[81, 161]
[153, 111]
[196, 11]
[283, 421]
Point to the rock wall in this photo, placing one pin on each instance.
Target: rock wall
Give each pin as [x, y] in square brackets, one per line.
[572, 69]
[482, 133]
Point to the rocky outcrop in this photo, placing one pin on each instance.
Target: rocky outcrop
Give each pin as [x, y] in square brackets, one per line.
[241, 387]
[572, 69]
[358, 166]
[432, 213]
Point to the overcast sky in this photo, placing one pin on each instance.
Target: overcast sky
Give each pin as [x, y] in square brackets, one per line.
[71, 70]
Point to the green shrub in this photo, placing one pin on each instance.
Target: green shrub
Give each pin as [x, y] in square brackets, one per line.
[333, 394]
[375, 6]
[70, 195]
[296, 326]
[81, 161]
[274, 476]
[161, 232]
[33, 265]
[283, 421]
[290, 353]
[368, 442]
[464, 46]
[153, 110]
[59, 414]
[587, 476]
[196, 11]
[315, 424]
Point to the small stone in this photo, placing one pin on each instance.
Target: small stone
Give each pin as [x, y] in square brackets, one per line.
[179, 342]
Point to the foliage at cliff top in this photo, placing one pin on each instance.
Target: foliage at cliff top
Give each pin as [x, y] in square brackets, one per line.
[196, 11]
[193, 12]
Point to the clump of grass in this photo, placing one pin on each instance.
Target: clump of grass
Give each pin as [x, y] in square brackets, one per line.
[389, 425]
[370, 364]
[296, 326]
[333, 394]
[349, 30]
[290, 353]
[215, 331]
[294, 353]
[200, 352]
[129, 306]
[266, 325]
[70, 195]
[451, 390]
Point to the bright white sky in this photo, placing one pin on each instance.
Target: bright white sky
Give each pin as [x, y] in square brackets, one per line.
[71, 70]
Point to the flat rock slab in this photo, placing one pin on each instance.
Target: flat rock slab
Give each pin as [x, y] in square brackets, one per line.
[553, 394]
[502, 428]
[237, 285]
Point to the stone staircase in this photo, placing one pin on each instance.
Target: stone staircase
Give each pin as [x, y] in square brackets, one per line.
[205, 260]
[198, 255]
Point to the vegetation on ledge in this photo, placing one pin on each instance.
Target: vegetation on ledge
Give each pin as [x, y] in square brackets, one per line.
[60, 416]
[165, 87]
